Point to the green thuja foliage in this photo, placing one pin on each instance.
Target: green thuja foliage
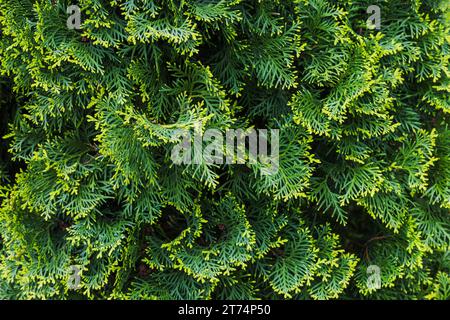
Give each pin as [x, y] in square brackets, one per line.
[5, 105]
[89, 189]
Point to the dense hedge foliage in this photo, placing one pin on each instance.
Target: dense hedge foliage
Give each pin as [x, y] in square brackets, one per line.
[88, 181]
